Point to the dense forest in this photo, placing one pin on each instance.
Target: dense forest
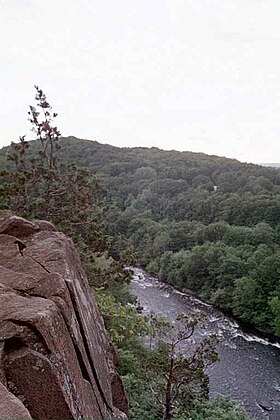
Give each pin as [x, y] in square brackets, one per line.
[205, 223]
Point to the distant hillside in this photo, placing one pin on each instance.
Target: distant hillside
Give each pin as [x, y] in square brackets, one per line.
[271, 165]
[181, 185]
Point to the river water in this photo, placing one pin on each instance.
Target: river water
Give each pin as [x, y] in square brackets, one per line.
[249, 367]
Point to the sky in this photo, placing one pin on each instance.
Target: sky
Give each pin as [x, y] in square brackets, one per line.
[196, 75]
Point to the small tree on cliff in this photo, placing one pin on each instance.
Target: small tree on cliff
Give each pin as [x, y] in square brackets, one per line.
[36, 184]
[180, 366]
[32, 177]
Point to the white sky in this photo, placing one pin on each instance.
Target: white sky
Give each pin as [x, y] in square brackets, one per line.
[199, 75]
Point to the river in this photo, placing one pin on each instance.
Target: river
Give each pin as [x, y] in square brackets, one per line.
[249, 367]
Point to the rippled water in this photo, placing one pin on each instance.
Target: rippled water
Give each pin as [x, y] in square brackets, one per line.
[249, 366]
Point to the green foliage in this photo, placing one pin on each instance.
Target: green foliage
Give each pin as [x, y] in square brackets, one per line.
[180, 185]
[219, 408]
[122, 322]
[246, 299]
[241, 279]
[35, 183]
[182, 370]
[275, 307]
[142, 404]
[181, 228]
[150, 356]
[144, 365]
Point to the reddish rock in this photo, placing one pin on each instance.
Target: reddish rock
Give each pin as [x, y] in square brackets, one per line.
[55, 352]
[16, 226]
[44, 225]
[11, 407]
[113, 354]
[118, 392]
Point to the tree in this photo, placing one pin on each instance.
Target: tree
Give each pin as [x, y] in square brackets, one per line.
[219, 408]
[181, 368]
[32, 181]
[247, 299]
[123, 322]
[275, 307]
[36, 184]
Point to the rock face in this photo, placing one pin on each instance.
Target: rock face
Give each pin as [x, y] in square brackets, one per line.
[55, 359]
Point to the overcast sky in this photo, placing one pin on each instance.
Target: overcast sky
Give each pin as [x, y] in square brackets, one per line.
[198, 75]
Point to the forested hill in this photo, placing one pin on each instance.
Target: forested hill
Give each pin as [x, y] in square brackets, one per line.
[181, 185]
[202, 222]
[206, 223]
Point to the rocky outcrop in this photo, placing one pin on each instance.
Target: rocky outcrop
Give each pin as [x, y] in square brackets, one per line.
[55, 359]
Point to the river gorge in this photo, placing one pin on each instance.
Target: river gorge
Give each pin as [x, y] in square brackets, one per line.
[249, 366]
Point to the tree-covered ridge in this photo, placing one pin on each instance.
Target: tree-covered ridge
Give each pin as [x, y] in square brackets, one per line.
[182, 185]
[206, 223]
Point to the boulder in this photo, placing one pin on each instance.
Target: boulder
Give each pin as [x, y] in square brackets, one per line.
[54, 355]
[16, 226]
[11, 407]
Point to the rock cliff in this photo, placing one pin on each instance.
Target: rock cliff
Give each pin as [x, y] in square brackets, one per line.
[55, 359]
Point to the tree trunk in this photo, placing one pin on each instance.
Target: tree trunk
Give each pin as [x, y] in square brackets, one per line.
[168, 395]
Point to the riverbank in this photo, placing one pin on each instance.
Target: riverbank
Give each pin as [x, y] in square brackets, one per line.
[249, 366]
[246, 326]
